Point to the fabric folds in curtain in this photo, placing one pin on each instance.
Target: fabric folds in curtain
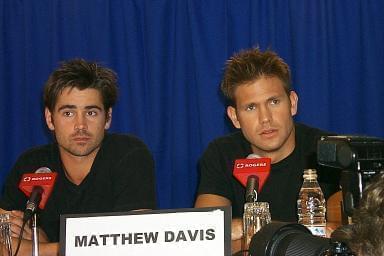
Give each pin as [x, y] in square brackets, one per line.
[169, 56]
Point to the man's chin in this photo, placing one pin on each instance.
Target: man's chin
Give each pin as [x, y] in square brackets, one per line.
[83, 152]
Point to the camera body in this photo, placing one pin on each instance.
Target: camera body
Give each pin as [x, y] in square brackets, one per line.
[359, 157]
[292, 239]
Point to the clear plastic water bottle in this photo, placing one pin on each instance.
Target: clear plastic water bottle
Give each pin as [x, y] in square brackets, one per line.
[311, 205]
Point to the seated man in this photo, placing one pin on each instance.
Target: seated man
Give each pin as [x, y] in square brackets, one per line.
[261, 103]
[97, 172]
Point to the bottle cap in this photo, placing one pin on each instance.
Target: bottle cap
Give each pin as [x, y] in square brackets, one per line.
[310, 174]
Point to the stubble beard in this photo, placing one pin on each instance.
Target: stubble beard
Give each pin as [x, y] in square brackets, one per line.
[79, 152]
[79, 149]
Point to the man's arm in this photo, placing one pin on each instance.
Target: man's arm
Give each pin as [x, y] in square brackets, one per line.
[211, 200]
[16, 218]
[45, 248]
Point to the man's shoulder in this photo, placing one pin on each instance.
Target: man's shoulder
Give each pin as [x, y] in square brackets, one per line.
[310, 130]
[307, 138]
[233, 145]
[41, 151]
[231, 139]
[123, 142]
[306, 133]
[36, 157]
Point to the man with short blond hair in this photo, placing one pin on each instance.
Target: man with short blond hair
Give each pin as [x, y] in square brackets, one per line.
[261, 104]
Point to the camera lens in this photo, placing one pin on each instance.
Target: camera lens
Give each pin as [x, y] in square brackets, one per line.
[292, 239]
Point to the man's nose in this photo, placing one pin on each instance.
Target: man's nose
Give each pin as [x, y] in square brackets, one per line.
[81, 122]
[264, 114]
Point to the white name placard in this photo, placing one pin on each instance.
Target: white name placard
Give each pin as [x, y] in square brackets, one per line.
[204, 231]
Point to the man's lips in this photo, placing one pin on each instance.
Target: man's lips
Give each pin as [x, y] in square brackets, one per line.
[268, 133]
[81, 139]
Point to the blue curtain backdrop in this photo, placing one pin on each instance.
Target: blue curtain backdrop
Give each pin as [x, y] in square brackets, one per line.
[169, 55]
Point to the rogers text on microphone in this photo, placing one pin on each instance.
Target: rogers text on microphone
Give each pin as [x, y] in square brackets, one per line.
[250, 165]
[37, 178]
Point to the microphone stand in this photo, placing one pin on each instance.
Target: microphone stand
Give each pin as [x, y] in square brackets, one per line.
[35, 236]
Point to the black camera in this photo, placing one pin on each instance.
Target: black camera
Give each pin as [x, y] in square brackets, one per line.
[292, 239]
[359, 157]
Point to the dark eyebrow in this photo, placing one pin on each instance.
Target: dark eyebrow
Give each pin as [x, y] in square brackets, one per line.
[93, 106]
[66, 107]
[74, 107]
[274, 97]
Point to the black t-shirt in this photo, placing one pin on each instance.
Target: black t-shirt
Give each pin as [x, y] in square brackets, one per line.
[281, 188]
[121, 179]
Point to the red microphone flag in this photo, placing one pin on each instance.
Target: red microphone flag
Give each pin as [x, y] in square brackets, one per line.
[44, 180]
[254, 166]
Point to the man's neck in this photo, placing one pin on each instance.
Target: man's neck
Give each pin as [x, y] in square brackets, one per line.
[279, 156]
[76, 168]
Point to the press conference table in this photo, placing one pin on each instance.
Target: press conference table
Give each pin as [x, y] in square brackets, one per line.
[334, 219]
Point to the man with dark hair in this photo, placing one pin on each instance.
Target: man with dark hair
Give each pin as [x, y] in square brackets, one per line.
[261, 104]
[97, 171]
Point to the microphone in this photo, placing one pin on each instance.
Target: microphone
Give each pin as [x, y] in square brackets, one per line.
[38, 187]
[259, 167]
[251, 189]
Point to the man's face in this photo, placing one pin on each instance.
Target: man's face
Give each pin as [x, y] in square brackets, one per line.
[78, 121]
[264, 113]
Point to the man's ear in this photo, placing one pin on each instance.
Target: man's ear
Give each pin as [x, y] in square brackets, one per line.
[48, 119]
[108, 119]
[231, 113]
[294, 100]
